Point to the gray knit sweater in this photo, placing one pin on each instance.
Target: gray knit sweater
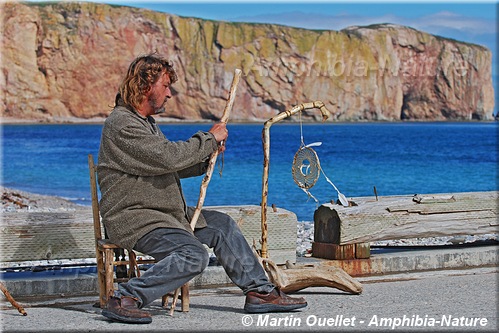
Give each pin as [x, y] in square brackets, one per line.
[139, 173]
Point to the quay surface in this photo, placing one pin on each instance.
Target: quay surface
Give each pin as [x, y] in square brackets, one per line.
[442, 288]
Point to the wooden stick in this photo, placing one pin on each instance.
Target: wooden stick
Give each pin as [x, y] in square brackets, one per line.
[12, 300]
[213, 158]
[174, 301]
[211, 167]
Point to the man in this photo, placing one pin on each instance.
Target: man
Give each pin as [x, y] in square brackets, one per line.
[143, 207]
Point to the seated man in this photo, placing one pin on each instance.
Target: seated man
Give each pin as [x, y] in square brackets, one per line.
[143, 207]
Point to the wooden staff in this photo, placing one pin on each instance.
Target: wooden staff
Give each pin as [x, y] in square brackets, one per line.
[211, 167]
[12, 300]
[213, 158]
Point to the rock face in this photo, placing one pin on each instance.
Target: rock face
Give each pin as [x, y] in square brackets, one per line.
[66, 60]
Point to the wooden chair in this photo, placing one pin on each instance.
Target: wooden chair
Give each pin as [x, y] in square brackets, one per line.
[112, 263]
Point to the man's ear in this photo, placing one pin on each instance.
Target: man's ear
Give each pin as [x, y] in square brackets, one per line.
[147, 90]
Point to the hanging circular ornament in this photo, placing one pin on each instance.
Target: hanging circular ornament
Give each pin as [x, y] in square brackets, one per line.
[306, 167]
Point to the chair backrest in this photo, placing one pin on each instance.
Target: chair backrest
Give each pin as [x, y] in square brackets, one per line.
[92, 168]
[104, 243]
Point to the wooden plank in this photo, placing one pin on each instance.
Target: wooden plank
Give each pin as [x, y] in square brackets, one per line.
[333, 251]
[341, 252]
[470, 213]
[461, 205]
[362, 250]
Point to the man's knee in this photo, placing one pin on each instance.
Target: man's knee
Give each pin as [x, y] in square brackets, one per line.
[196, 256]
[227, 225]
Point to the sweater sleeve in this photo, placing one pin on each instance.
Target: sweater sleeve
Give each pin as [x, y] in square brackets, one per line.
[135, 150]
[195, 170]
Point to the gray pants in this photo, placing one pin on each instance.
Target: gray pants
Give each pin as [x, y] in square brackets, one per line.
[181, 256]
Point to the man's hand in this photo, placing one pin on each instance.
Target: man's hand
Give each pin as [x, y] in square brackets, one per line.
[219, 130]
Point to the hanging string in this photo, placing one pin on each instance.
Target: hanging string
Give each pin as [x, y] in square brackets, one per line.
[220, 163]
[310, 195]
[301, 131]
[328, 180]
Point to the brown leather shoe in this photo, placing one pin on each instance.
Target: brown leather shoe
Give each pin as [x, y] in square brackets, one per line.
[125, 310]
[275, 301]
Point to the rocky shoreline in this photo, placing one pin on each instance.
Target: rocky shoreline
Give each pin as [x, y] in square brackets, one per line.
[16, 200]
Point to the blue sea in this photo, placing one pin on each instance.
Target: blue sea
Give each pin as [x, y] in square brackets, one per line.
[396, 158]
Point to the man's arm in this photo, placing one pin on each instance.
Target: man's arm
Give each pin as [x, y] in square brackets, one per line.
[220, 133]
[132, 148]
[195, 170]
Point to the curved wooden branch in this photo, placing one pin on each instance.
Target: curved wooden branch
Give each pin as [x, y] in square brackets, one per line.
[297, 277]
[213, 158]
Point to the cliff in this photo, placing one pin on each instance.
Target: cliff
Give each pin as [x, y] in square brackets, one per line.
[66, 60]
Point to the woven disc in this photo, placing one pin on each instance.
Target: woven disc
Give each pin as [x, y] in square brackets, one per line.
[306, 167]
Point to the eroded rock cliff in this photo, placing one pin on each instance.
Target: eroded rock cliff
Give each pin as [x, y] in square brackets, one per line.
[66, 60]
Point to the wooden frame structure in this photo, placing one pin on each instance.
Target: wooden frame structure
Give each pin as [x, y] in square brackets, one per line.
[266, 159]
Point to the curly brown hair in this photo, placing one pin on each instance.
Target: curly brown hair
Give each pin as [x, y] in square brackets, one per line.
[142, 73]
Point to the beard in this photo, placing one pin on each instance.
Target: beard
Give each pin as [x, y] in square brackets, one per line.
[156, 106]
[160, 110]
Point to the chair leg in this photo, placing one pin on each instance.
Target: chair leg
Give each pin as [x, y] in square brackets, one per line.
[185, 298]
[164, 301]
[183, 294]
[109, 272]
[101, 279]
[133, 269]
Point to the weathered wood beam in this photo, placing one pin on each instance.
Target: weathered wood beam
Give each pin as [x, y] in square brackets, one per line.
[397, 217]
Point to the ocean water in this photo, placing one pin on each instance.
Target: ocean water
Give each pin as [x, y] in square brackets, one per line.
[397, 158]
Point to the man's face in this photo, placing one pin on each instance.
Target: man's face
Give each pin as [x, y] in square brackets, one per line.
[159, 94]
